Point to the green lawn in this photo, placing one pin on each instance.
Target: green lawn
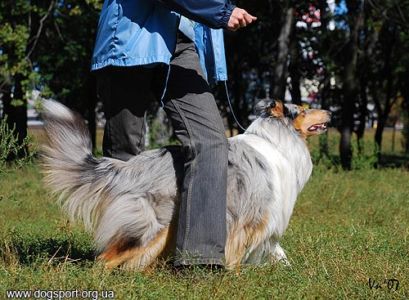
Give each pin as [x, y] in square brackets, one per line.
[347, 228]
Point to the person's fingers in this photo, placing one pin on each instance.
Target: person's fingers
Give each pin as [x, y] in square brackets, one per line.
[242, 21]
[252, 17]
[249, 18]
[235, 23]
[239, 18]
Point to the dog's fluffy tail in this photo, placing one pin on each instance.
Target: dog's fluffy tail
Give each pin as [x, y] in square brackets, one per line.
[109, 196]
[67, 134]
[68, 161]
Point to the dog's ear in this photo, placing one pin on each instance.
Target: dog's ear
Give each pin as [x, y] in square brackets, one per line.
[276, 109]
[261, 107]
[270, 107]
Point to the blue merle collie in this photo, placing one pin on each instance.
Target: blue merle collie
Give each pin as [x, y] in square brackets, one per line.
[130, 206]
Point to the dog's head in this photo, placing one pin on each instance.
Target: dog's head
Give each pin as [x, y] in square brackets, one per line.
[307, 122]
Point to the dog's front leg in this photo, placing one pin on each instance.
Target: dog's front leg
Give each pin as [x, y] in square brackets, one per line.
[277, 254]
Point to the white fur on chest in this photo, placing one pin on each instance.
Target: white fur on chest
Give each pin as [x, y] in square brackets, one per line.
[284, 178]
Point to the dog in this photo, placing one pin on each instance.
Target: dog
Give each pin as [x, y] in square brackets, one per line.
[131, 206]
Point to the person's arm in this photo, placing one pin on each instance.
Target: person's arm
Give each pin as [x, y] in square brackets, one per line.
[213, 13]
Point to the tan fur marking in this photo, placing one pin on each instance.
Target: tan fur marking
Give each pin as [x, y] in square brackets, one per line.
[135, 257]
[115, 249]
[297, 123]
[241, 238]
[170, 244]
[277, 111]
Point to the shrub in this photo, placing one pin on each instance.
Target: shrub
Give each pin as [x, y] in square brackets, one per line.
[10, 147]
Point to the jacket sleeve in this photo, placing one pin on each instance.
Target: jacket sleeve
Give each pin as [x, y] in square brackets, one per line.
[213, 13]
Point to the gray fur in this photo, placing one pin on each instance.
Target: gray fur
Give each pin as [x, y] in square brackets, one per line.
[268, 167]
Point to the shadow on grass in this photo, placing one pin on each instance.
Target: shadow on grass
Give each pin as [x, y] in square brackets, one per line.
[28, 249]
[394, 161]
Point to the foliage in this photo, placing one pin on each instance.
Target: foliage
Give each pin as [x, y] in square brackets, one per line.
[31, 35]
[14, 36]
[346, 58]
[343, 59]
[20, 34]
[364, 161]
[9, 146]
[64, 55]
[361, 160]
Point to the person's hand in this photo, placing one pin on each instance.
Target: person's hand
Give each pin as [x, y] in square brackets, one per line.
[239, 18]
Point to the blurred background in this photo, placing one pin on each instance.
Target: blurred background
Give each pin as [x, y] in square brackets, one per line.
[351, 57]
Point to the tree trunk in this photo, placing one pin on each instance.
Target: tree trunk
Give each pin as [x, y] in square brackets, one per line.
[405, 94]
[379, 134]
[280, 71]
[294, 70]
[393, 137]
[367, 61]
[363, 112]
[323, 139]
[382, 118]
[386, 90]
[350, 84]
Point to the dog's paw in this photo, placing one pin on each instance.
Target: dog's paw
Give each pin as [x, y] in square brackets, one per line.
[278, 255]
[285, 262]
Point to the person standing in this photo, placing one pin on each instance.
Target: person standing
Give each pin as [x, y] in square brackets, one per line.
[169, 50]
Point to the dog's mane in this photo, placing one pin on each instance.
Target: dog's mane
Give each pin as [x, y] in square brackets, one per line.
[282, 135]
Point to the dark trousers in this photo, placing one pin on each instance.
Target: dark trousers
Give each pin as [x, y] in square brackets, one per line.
[189, 104]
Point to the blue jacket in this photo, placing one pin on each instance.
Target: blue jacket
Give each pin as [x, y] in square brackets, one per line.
[143, 32]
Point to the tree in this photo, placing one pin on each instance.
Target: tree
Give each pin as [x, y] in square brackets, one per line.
[251, 55]
[350, 80]
[47, 45]
[64, 57]
[280, 70]
[22, 28]
[387, 62]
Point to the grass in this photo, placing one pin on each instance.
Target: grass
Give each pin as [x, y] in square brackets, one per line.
[347, 228]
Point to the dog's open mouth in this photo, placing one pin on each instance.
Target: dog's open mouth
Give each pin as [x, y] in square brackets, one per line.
[318, 127]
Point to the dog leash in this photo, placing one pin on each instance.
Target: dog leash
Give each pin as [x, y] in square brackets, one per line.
[231, 107]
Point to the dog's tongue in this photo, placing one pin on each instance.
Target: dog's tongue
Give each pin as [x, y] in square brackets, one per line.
[313, 128]
[317, 126]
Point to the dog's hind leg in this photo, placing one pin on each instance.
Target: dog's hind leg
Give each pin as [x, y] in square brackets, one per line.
[235, 247]
[135, 257]
[243, 240]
